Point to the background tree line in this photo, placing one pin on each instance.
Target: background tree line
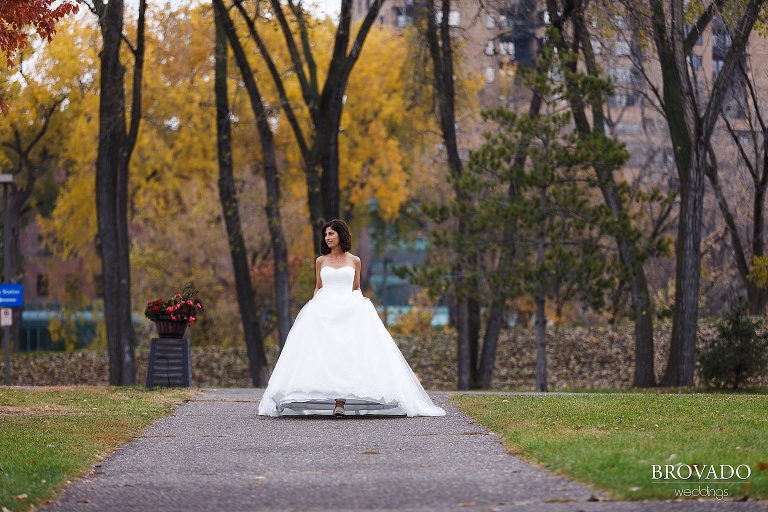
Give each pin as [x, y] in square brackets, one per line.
[217, 138]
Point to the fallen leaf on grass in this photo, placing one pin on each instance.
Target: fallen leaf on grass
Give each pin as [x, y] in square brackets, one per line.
[762, 466]
[20, 497]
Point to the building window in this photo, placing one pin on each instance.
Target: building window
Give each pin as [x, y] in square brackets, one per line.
[721, 41]
[597, 48]
[42, 285]
[695, 61]
[621, 76]
[621, 49]
[621, 100]
[490, 74]
[620, 22]
[490, 48]
[73, 288]
[717, 66]
[454, 18]
[507, 48]
[490, 21]
[555, 74]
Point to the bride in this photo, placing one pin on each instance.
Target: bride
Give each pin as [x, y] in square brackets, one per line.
[339, 358]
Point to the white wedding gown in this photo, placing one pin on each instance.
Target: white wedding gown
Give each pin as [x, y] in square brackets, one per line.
[338, 348]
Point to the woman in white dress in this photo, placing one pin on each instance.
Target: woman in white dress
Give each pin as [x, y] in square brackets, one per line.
[339, 358]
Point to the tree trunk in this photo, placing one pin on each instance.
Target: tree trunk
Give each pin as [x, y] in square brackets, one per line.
[474, 334]
[321, 158]
[680, 365]
[111, 199]
[490, 342]
[463, 345]
[441, 54]
[279, 253]
[315, 204]
[329, 154]
[690, 132]
[629, 254]
[541, 342]
[274, 220]
[498, 301]
[645, 375]
[229, 204]
[18, 197]
[282, 279]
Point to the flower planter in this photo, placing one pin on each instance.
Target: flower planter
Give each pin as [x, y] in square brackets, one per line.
[171, 328]
[172, 316]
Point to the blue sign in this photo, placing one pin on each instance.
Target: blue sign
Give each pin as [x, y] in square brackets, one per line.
[11, 295]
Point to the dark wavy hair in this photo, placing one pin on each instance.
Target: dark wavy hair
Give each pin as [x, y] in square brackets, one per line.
[345, 236]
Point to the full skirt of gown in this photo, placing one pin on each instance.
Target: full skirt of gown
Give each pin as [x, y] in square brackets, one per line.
[338, 348]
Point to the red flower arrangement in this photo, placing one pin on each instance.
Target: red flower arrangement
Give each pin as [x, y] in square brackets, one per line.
[182, 307]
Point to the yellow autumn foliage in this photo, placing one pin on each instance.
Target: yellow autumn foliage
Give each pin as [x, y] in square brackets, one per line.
[175, 217]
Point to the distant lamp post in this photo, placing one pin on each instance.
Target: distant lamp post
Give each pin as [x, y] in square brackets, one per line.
[6, 180]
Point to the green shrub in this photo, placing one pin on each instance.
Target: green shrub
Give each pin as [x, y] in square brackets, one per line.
[738, 352]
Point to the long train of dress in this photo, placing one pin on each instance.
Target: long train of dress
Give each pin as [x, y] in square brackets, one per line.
[338, 348]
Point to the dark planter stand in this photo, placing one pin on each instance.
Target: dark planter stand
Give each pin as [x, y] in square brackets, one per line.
[170, 363]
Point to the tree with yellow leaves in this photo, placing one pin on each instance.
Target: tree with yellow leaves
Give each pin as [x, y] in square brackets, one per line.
[34, 139]
[322, 97]
[176, 220]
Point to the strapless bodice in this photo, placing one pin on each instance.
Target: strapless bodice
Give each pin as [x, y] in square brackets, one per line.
[337, 280]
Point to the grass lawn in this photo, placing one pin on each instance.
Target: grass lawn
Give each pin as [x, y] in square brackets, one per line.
[51, 435]
[638, 445]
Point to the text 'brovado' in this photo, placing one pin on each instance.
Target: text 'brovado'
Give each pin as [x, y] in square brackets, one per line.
[723, 472]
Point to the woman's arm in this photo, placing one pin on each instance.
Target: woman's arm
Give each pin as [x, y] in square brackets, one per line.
[356, 282]
[318, 281]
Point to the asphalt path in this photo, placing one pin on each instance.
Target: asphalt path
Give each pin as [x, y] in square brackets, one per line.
[217, 454]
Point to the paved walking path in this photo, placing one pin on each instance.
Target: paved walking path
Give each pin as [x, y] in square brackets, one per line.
[217, 454]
